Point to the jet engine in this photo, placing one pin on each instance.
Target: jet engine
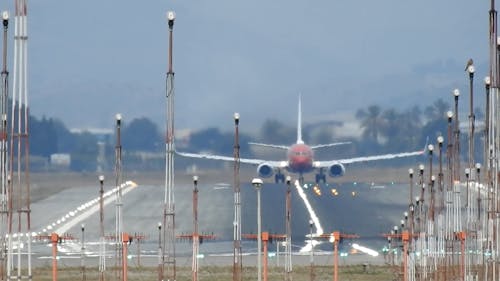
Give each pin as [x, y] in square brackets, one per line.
[265, 170]
[336, 170]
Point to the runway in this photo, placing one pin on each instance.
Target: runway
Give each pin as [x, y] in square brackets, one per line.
[362, 208]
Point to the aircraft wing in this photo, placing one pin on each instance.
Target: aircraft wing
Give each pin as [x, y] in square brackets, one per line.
[270, 145]
[329, 144]
[230, 159]
[370, 158]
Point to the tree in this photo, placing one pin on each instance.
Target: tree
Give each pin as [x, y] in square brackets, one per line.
[436, 120]
[391, 128]
[43, 137]
[411, 126]
[141, 135]
[211, 140]
[437, 110]
[84, 154]
[275, 132]
[65, 139]
[401, 129]
[371, 123]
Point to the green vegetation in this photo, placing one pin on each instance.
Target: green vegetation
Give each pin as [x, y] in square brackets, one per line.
[223, 273]
[381, 130]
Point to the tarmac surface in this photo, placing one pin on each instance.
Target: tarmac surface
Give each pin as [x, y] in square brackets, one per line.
[364, 208]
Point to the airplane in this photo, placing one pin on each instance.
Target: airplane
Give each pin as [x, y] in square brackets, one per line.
[300, 159]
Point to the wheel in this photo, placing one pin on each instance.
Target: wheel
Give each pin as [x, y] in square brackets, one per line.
[320, 178]
[279, 178]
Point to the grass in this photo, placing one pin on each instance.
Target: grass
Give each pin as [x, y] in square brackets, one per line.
[223, 273]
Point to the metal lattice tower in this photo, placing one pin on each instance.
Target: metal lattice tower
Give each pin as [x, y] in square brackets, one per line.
[4, 98]
[168, 256]
[466, 243]
[19, 149]
[493, 149]
[118, 203]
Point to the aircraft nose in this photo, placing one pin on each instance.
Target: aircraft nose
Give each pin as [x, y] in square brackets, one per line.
[301, 160]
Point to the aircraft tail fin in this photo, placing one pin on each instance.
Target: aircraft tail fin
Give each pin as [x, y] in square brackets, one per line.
[299, 122]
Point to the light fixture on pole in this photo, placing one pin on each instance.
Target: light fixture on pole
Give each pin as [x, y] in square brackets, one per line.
[257, 183]
[487, 83]
[456, 150]
[471, 70]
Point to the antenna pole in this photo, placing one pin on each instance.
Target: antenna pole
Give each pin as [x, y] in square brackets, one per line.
[168, 254]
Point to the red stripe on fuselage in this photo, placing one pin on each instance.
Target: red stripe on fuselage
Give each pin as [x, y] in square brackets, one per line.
[300, 158]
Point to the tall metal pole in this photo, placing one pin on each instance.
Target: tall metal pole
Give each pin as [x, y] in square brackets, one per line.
[237, 255]
[102, 241]
[480, 220]
[125, 241]
[471, 70]
[421, 218]
[3, 150]
[259, 238]
[440, 140]
[288, 217]
[196, 237]
[19, 147]
[257, 183]
[487, 83]
[469, 218]
[450, 151]
[82, 254]
[456, 158]
[430, 232]
[311, 256]
[160, 255]
[421, 168]
[54, 238]
[118, 203]
[169, 202]
[411, 206]
[441, 226]
[493, 145]
[489, 203]
[449, 196]
[336, 240]
[405, 237]
[473, 224]
[430, 148]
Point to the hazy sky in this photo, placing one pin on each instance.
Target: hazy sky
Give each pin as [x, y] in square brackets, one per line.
[90, 59]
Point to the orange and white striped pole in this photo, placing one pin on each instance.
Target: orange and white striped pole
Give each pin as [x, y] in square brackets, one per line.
[265, 238]
[336, 239]
[125, 239]
[54, 238]
[405, 238]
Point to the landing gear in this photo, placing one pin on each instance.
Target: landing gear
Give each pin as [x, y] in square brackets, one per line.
[320, 177]
[279, 178]
[301, 180]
